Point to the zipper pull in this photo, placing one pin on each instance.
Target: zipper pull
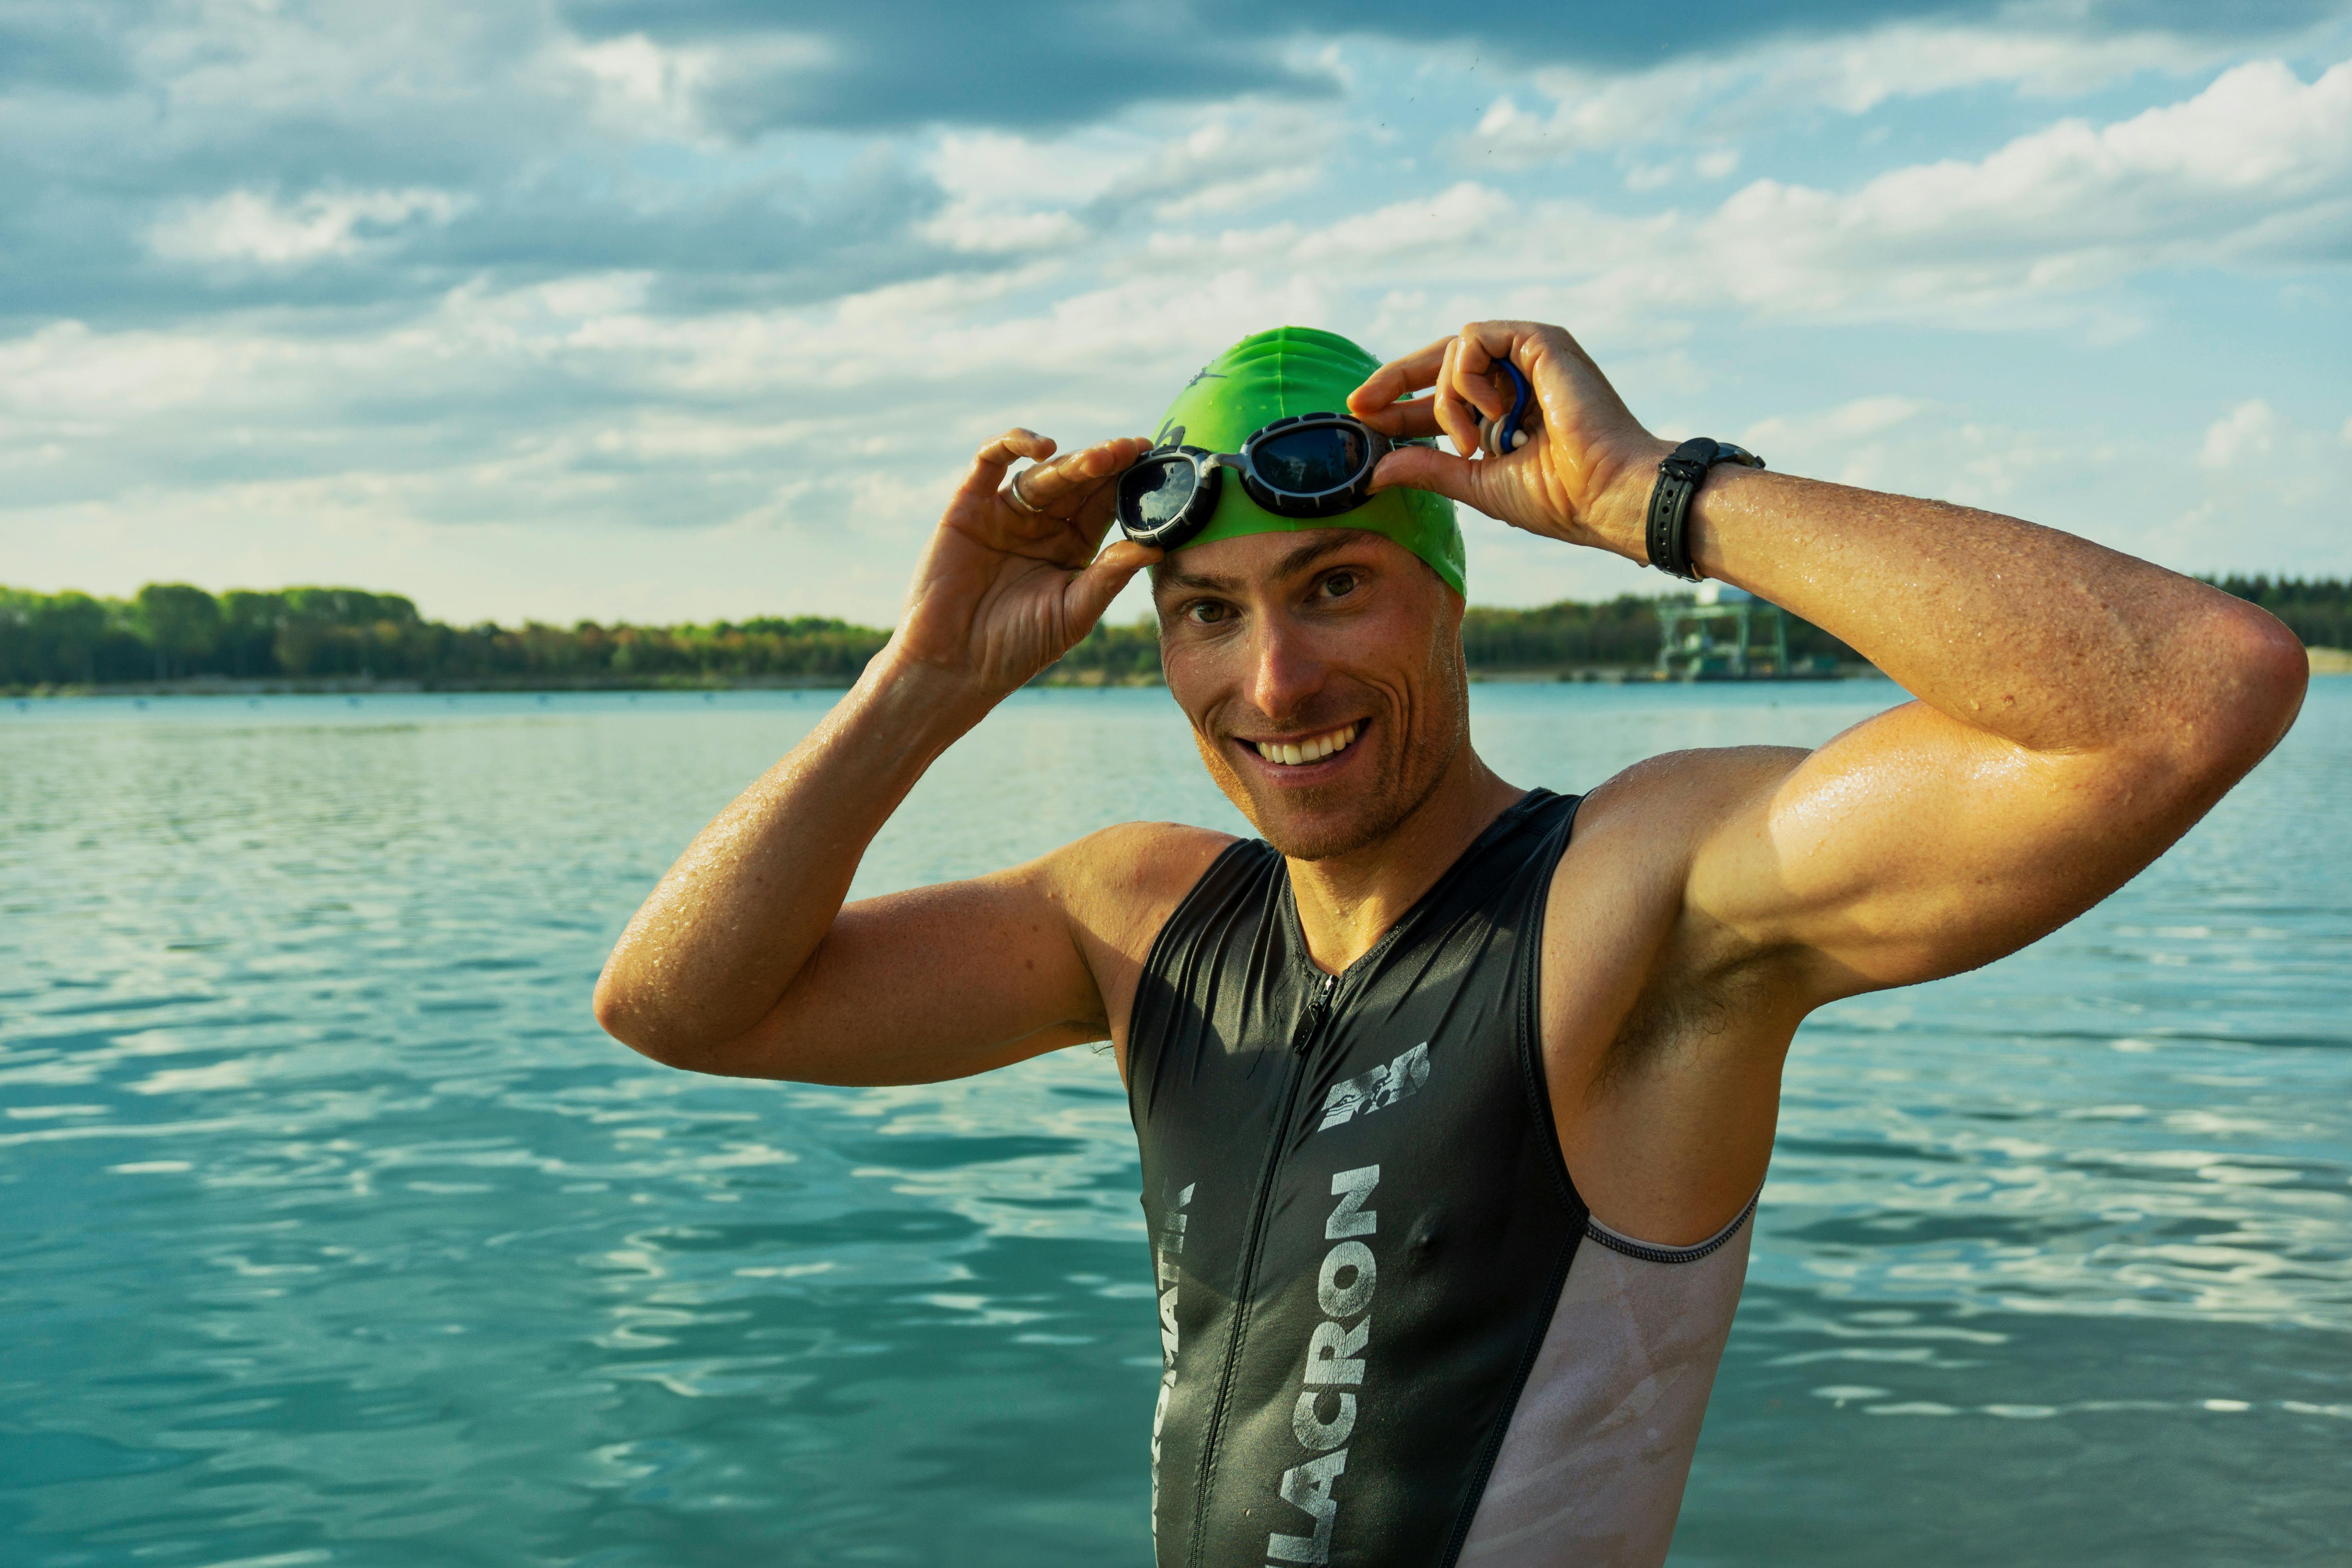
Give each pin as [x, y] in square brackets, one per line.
[1317, 1006]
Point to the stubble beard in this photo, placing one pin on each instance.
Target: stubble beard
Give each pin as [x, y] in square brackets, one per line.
[1334, 820]
[1408, 770]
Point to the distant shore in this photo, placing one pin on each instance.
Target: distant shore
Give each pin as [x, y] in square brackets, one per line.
[356, 685]
[361, 685]
[2324, 661]
[178, 639]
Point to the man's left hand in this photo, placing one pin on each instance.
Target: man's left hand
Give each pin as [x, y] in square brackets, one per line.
[1582, 475]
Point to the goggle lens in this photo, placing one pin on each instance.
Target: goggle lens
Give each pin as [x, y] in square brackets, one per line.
[1310, 461]
[1151, 493]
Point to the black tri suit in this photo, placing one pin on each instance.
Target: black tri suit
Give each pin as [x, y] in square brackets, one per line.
[1360, 1222]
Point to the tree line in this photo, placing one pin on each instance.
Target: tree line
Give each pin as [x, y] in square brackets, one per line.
[170, 631]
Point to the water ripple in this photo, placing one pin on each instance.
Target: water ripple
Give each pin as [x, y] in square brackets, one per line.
[334, 1232]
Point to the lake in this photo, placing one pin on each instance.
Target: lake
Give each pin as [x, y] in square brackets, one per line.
[332, 1230]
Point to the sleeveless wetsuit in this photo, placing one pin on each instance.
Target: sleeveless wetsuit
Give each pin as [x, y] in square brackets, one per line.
[1385, 1339]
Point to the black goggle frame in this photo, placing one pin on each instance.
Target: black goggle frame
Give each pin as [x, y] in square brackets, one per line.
[1208, 476]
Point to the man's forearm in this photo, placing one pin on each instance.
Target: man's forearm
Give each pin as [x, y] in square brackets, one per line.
[2049, 640]
[716, 946]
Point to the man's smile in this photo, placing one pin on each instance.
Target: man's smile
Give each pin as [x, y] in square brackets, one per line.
[1305, 750]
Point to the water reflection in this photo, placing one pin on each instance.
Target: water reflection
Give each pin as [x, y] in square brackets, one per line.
[334, 1232]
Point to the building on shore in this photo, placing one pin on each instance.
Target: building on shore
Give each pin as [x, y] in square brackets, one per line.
[1729, 634]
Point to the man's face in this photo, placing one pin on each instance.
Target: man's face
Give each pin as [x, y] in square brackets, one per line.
[1334, 647]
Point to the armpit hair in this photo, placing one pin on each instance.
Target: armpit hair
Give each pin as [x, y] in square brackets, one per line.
[1667, 1015]
[1683, 1013]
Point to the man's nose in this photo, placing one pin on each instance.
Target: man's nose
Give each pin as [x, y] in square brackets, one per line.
[1285, 673]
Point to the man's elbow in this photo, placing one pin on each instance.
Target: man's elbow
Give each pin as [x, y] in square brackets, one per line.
[617, 1014]
[2256, 671]
[660, 1034]
[624, 1012]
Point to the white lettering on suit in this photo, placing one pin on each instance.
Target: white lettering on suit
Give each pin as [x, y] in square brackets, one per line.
[1333, 1368]
[1165, 1276]
[1377, 1089]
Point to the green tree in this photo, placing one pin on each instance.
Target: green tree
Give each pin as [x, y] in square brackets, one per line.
[68, 630]
[249, 622]
[179, 622]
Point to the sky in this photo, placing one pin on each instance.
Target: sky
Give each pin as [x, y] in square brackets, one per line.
[624, 311]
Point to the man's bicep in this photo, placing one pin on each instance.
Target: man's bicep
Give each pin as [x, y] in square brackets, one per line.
[931, 984]
[1914, 845]
[947, 981]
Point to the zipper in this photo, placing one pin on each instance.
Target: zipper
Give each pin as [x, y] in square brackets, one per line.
[1318, 1006]
[1318, 1010]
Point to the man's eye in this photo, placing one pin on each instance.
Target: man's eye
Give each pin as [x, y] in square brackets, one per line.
[1205, 612]
[1339, 584]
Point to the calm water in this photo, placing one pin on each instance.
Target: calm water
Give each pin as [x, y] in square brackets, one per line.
[332, 1231]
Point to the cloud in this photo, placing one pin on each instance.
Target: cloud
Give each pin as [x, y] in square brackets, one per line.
[2246, 431]
[2255, 171]
[1729, 92]
[887, 64]
[486, 276]
[752, 67]
[185, 159]
[251, 226]
[61, 48]
[2258, 462]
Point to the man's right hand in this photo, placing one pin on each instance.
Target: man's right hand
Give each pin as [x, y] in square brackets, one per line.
[1002, 593]
[745, 960]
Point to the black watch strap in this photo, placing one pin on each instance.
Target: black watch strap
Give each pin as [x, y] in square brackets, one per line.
[1680, 474]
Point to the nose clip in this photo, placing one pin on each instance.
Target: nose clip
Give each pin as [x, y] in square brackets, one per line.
[1499, 437]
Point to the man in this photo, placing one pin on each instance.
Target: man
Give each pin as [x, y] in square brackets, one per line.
[1453, 1097]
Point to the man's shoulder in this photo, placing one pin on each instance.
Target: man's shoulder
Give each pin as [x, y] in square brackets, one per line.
[1626, 870]
[1674, 800]
[1123, 882]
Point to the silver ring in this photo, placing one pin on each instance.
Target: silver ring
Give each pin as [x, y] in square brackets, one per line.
[1012, 493]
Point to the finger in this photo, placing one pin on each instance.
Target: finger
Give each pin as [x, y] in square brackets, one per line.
[1093, 512]
[1080, 472]
[1474, 375]
[987, 465]
[1442, 473]
[1090, 592]
[1397, 379]
[1410, 420]
[1458, 418]
[1534, 348]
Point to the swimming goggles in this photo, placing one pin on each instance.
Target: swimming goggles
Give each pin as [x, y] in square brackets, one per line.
[1309, 465]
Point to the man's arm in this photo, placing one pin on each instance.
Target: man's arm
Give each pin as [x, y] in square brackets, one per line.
[744, 959]
[2077, 708]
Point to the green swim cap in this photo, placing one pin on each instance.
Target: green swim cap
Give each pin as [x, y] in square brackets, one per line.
[1273, 376]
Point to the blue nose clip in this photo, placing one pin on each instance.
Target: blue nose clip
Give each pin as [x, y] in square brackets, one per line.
[1499, 437]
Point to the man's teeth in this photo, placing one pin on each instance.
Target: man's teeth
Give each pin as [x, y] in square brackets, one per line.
[1314, 748]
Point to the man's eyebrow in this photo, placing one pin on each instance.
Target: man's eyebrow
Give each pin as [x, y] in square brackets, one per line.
[1314, 549]
[1194, 581]
[1325, 543]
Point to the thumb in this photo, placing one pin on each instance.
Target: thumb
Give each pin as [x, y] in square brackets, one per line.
[1442, 473]
[1090, 592]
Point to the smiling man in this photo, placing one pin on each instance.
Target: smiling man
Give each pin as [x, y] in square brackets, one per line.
[1453, 1097]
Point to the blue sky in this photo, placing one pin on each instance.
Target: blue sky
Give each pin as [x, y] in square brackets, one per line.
[620, 310]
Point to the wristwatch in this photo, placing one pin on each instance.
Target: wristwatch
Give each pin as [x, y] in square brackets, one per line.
[1668, 538]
